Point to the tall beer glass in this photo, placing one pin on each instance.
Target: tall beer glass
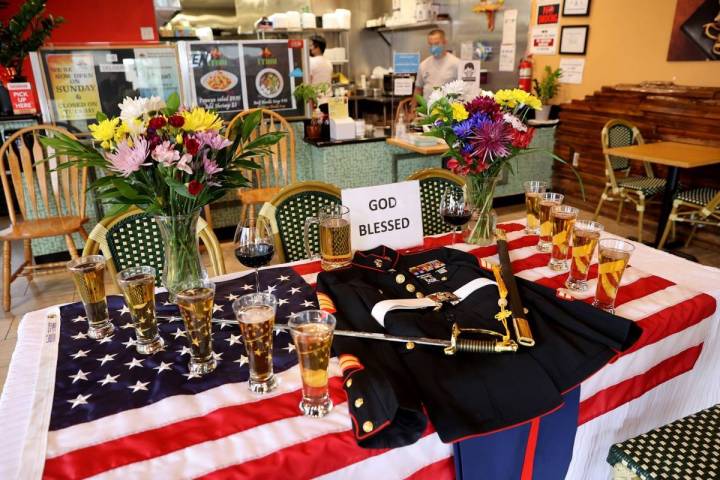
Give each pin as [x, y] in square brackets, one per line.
[334, 224]
[547, 201]
[562, 218]
[196, 301]
[312, 332]
[533, 190]
[613, 257]
[586, 234]
[88, 274]
[138, 288]
[255, 314]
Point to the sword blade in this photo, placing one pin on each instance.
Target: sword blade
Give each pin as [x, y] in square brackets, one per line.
[345, 333]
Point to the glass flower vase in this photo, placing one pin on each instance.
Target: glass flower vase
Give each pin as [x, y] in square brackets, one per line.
[479, 190]
[182, 263]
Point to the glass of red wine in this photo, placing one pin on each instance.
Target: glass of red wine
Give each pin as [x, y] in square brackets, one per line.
[455, 209]
[254, 245]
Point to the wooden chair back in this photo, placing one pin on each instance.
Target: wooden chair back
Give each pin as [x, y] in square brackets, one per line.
[620, 133]
[278, 169]
[407, 107]
[39, 191]
[433, 182]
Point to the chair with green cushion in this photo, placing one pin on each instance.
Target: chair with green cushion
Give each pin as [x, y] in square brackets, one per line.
[133, 238]
[287, 211]
[697, 207]
[433, 182]
[636, 188]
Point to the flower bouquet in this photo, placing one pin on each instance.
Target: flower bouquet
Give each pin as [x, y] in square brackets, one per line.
[484, 132]
[169, 162]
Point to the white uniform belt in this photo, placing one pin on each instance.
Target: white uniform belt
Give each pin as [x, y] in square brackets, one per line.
[382, 308]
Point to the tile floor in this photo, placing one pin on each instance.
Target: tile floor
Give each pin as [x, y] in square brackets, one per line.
[54, 289]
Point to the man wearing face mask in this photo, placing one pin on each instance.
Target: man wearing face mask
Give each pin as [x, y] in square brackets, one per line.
[439, 68]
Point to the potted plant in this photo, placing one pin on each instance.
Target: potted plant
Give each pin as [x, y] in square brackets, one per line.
[307, 93]
[546, 89]
[24, 33]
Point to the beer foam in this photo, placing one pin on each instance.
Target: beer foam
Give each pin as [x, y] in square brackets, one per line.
[256, 314]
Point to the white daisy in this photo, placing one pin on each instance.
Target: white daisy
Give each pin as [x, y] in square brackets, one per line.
[515, 122]
[132, 108]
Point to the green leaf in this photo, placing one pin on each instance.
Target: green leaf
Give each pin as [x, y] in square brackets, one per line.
[117, 209]
[250, 123]
[125, 189]
[172, 104]
[100, 116]
[266, 139]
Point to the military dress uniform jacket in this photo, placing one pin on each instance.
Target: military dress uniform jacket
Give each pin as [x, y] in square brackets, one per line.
[393, 387]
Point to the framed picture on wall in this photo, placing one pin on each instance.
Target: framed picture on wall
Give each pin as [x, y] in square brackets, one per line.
[573, 39]
[576, 8]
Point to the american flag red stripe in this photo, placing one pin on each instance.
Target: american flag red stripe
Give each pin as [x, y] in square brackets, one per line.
[336, 451]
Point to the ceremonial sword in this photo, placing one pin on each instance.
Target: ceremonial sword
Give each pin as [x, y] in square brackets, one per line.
[450, 347]
[523, 334]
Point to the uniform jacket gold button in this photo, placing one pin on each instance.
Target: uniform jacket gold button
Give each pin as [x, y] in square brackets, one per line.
[410, 287]
[399, 278]
[419, 295]
[359, 402]
[368, 427]
[410, 345]
[348, 384]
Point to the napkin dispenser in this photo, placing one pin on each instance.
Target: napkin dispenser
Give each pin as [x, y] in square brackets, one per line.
[342, 128]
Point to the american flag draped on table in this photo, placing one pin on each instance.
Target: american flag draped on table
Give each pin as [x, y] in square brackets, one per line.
[118, 414]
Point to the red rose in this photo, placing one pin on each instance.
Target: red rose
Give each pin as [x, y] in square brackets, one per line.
[522, 139]
[195, 187]
[453, 164]
[176, 121]
[157, 123]
[191, 145]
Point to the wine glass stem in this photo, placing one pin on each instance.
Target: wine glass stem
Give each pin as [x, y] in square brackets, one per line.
[257, 280]
[453, 236]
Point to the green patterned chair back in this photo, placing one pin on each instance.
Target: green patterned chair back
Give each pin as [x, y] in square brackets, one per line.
[619, 133]
[433, 182]
[293, 205]
[136, 241]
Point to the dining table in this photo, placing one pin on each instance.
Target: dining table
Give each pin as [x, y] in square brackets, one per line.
[439, 148]
[674, 155]
[73, 407]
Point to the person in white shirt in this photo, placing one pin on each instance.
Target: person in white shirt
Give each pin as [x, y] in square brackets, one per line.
[439, 68]
[320, 67]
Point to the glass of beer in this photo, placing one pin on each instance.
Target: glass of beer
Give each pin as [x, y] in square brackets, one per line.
[562, 218]
[613, 257]
[547, 201]
[312, 332]
[334, 225]
[195, 301]
[138, 288]
[533, 189]
[255, 313]
[586, 234]
[88, 274]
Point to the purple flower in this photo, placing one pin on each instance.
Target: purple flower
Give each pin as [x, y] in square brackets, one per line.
[184, 164]
[212, 139]
[166, 154]
[127, 159]
[465, 128]
[211, 167]
[491, 140]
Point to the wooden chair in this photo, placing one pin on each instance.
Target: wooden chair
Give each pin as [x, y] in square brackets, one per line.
[433, 182]
[407, 107]
[286, 212]
[698, 206]
[635, 189]
[132, 239]
[51, 203]
[277, 169]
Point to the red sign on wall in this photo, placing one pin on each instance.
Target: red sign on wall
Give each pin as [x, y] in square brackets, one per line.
[22, 98]
[295, 43]
[548, 13]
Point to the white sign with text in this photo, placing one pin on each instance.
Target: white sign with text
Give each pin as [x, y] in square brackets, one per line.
[385, 215]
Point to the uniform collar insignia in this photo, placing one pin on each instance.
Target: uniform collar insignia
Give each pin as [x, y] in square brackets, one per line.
[379, 258]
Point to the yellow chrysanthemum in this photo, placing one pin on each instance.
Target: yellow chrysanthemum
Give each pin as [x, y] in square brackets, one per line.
[198, 120]
[513, 98]
[458, 112]
[105, 130]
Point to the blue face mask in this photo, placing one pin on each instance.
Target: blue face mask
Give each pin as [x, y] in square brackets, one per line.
[436, 50]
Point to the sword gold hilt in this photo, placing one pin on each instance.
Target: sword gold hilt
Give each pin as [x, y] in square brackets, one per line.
[472, 345]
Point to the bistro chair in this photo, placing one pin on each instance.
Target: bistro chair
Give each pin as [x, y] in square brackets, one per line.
[286, 212]
[698, 206]
[278, 169]
[408, 108]
[433, 182]
[132, 239]
[51, 203]
[635, 189]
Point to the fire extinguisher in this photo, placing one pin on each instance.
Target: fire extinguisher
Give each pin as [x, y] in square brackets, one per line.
[525, 73]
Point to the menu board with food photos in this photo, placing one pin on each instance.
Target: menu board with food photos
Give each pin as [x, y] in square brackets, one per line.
[79, 82]
[268, 82]
[216, 76]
